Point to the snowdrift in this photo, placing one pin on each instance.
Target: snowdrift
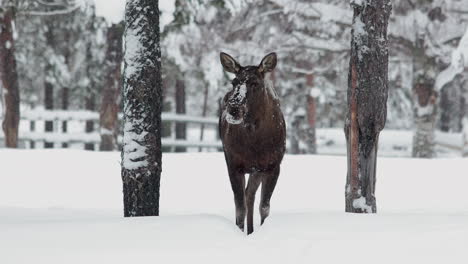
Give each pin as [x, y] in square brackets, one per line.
[64, 206]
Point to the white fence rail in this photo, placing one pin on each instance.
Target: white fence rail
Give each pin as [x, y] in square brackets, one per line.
[32, 133]
[330, 141]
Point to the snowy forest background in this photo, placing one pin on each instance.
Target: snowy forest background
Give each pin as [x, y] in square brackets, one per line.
[67, 58]
[63, 58]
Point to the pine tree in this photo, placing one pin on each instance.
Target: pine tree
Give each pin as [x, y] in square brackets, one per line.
[142, 95]
[367, 99]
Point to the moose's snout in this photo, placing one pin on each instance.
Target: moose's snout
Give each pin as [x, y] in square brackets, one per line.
[235, 114]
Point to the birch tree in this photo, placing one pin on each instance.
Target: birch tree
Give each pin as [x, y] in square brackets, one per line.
[367, 99]
[142, 92]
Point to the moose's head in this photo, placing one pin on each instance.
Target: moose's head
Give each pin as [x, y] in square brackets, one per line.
[250, 84]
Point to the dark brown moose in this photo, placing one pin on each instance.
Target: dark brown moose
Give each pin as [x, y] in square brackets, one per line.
[253, 133]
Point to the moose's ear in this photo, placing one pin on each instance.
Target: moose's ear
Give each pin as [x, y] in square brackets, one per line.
[268, 63]
[229, 63]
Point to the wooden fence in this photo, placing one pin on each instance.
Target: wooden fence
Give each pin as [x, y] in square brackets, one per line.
[68, 130]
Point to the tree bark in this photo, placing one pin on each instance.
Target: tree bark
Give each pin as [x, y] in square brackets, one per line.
[311, 118]
[141, 153]
[111, 92]
[367, 99]
[9, 78]
[48, 105]
[425, 102]
[180, 128]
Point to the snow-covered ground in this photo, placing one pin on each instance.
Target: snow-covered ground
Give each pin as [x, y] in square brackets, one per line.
[64, 206]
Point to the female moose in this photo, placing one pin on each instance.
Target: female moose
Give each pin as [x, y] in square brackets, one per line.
[253, 133]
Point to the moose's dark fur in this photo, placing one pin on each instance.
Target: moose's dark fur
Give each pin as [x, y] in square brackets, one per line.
[253, 133]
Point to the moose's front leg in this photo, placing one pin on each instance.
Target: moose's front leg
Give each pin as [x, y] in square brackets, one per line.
[238, 187]
[268, 186]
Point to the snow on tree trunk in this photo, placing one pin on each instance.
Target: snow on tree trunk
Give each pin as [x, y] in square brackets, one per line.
[367, 98]
[425, 102]
[111, 92]
[180, 128]
[9, 78]
[142, 95]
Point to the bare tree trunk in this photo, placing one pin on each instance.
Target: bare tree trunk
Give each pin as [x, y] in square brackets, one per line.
[142, 95]
[367, 99]
[48, 105]
[90, 104]
[48, 85]
[446, 110]
[294, 138]
[180, 128]
[204, 111]
[65, 103]
[425, 102]
[9, 78]
[311, 118]
[111, 93]
[311, 129]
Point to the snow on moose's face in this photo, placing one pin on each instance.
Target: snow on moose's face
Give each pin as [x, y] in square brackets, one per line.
[245, 87]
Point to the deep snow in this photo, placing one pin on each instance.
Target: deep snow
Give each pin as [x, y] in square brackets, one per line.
[64, 206]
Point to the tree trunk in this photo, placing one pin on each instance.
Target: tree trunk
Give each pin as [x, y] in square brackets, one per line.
[65, 103]
[141, 153]
[294, 147]
[9, 78]
[425, 102]
[48, 105]
[90, 104]
[48, 84]
[367, 99]
[204, 111]
[311, 129]
[180, 128]
[111, 93]
[446, 110]
[311, 118]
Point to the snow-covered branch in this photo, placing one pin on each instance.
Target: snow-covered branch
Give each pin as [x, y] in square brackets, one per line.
[458, 63]
[54, 12]
[52, 4]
